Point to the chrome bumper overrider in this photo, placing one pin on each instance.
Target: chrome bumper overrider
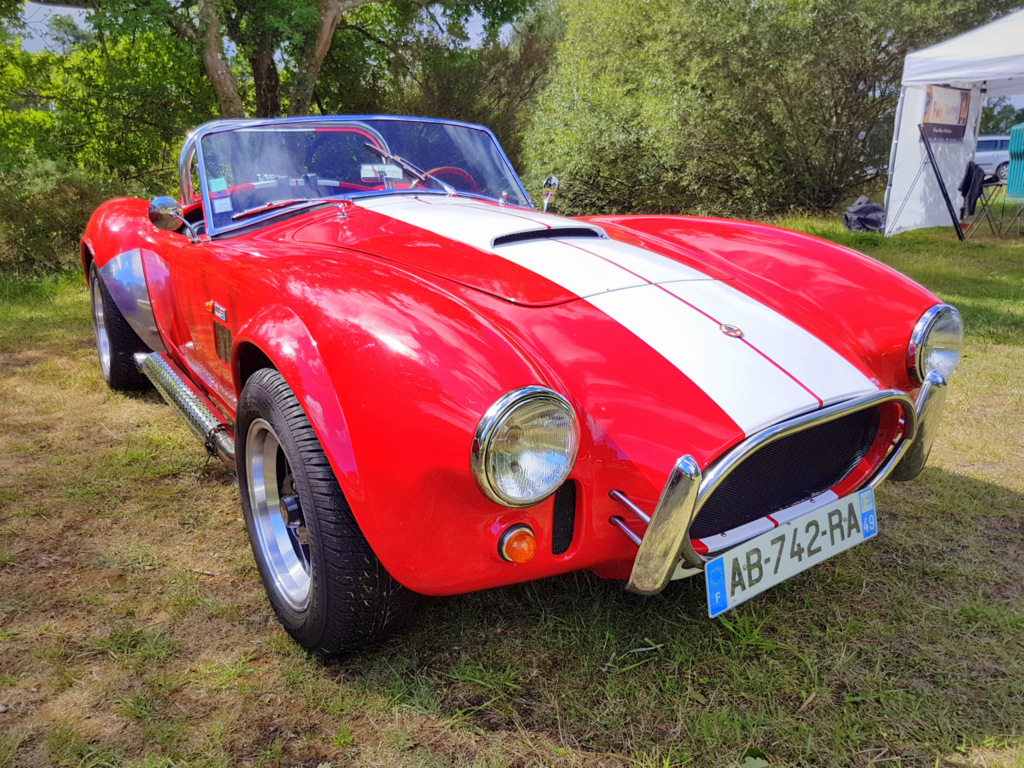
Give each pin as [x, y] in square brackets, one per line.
[931, 401]
[667, 539]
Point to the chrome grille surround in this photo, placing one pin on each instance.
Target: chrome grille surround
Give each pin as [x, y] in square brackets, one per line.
[671, 520]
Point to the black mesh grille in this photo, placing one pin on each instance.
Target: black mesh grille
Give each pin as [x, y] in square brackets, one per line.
[224, 339]
[564, 520]
[541, 234]
[787, 472]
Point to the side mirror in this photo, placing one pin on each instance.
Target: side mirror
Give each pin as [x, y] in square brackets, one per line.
[165, 213]
[550, 185]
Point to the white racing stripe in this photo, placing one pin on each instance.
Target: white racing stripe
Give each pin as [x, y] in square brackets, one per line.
[749, 387]
[776, 371]
[449, 218]
[804, 356]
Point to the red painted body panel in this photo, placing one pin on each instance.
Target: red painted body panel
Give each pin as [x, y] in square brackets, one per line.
[396, 341]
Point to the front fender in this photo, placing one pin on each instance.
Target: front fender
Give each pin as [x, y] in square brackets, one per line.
[394, 382]
[280, 334]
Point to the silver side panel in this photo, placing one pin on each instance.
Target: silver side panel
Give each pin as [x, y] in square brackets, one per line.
[126, 280]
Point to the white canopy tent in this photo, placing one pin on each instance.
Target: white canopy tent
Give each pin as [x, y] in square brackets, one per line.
[985, 62]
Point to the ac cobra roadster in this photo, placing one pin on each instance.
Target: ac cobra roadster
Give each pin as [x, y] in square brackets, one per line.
[428, 386]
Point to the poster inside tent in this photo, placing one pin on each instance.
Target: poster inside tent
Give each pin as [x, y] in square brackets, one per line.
[945, 113]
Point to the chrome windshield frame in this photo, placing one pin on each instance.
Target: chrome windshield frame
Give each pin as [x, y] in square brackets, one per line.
[194, 145]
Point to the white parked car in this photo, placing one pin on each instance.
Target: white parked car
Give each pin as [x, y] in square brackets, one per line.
[993, 155]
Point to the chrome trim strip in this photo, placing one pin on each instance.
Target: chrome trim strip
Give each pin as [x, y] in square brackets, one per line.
[125, 279]
[920, 334]
[488, 426]
[199, 413]
[668, 530]
[667, 538]
[619, 523]
[931, 401]
[620, 496]
[188, 153]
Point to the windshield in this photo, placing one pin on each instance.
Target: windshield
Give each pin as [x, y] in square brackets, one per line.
[250, 171]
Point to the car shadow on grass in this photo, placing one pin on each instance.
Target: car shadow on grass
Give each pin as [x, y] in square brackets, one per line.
[909, 644]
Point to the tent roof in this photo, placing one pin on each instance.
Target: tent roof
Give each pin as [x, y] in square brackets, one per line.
[991, 54]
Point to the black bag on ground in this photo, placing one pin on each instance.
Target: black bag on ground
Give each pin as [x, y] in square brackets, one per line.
[864, 216]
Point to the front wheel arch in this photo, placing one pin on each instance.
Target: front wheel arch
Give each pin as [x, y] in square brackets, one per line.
[249, 359]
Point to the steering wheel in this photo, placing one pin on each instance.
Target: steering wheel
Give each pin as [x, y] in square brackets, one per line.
[451, 170]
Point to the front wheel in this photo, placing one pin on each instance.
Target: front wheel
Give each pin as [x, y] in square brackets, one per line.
[328, 589]
[1003, 171]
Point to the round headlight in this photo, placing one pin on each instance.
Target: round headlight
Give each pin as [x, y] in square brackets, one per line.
[525, 446]
[936, 343]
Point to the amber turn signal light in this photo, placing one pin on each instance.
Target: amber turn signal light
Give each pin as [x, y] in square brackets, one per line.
[517, 544]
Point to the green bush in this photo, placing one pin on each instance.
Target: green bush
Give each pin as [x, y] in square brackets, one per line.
[728, 107]
[44, 208]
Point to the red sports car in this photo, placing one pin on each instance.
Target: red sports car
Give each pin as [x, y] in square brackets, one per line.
[427, 386]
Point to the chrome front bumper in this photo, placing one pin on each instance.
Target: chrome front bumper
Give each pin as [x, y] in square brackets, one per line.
[666, 541]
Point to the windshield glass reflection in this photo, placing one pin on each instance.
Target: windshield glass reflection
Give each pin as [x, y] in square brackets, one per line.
[250, 171]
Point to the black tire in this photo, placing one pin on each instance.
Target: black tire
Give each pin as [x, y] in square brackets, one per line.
[116, 341]
[1003, 171]
[350, 600]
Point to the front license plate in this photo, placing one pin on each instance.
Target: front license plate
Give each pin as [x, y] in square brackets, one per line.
[766, 560]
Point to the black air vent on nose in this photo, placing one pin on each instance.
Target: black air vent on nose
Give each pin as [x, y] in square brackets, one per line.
[544, 234]
[563, 522]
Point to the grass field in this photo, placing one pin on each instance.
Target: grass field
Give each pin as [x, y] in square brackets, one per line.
[134, 630]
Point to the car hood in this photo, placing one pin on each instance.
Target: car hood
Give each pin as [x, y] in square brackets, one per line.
[537, 259]
[752, 361]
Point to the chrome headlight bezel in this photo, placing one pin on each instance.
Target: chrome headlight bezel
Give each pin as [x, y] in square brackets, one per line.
[489, 427]
[917, 348]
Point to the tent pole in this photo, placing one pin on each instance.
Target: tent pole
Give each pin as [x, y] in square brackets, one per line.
[942, 184]
[892, 161]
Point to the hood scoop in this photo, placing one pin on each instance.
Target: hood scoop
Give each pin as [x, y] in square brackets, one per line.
[515, 254]
[546, 234]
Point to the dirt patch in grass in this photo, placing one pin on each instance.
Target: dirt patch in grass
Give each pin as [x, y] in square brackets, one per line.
[134, 630]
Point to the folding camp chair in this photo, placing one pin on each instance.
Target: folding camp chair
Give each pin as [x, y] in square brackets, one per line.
[978, 199]
[1015, 177]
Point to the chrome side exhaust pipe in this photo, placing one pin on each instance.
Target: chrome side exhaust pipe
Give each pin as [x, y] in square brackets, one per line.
[199, 413]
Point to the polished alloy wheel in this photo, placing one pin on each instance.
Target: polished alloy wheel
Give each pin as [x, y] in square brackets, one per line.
[100, 325]
[279, 528]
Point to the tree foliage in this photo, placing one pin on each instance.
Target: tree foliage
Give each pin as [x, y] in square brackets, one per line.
[729, 106]
[999, 116]
[276, 48]
[436, 70]
[114, 104]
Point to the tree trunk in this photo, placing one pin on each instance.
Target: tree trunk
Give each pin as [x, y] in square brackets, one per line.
[308, 68]
[216, 64]
[267, 83]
